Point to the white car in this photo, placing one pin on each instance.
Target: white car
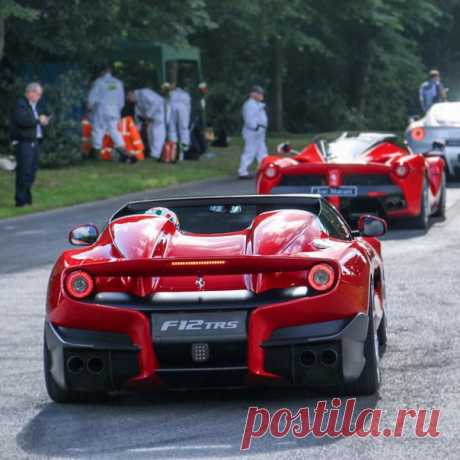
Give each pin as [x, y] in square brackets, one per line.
[439, 129]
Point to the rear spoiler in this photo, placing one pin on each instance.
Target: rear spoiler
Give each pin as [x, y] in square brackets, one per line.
[203, 266]
[350, 168]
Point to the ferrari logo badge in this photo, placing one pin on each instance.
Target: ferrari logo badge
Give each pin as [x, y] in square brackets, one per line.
[200, 283]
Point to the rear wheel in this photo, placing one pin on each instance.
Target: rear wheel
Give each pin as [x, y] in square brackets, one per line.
[370, 378]
[441, 211]
[421, 221]
[382, 335]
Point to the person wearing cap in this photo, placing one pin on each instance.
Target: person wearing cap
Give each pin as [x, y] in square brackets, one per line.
[150, 109]
[432, 91]
[106, 100]
[254, 131]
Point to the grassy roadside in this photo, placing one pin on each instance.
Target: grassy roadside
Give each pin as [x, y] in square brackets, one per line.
[94, 180]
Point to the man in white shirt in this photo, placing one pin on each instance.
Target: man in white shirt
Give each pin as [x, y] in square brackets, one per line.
[254, 131]
[28, 123]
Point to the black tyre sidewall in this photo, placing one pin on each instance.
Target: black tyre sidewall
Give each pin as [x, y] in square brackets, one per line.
[369, 380]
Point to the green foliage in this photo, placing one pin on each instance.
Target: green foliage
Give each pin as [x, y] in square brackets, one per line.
[327, 65]
[12, 8]
[61, 146]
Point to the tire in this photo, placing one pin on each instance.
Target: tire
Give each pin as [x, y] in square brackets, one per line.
[369, 381]
[421, 221]
[382, 335]
[441, 211]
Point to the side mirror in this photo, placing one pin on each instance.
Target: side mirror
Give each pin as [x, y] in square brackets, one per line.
[83, 235]
[371, 226]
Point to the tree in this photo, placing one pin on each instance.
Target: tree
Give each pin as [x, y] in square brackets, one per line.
[12, 9]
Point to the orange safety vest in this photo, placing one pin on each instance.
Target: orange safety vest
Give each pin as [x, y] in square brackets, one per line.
[127, 128]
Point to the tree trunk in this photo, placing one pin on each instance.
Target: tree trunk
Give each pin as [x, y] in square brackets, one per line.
[359, 67]
[278, 68]
[2, 37]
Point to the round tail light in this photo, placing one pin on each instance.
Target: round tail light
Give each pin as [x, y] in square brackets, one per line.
[418, 134]
[79, 284]
[321, 277]
[401, 170]
[271, 171]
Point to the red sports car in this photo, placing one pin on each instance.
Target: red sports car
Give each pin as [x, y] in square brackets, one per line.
[237, 290]
[362, 173]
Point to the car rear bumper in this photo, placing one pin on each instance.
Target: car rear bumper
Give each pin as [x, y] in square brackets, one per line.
[385, 200]
[273, 349]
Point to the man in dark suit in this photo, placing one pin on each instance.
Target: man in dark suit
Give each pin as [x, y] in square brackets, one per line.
[28, 123]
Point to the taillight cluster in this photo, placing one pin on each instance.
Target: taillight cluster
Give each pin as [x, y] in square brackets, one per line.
[79, 284]
[418, 134]
[321, 277]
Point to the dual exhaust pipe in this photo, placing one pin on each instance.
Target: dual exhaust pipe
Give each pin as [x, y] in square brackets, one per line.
[395, 203]
[77, 365]
[327, 358]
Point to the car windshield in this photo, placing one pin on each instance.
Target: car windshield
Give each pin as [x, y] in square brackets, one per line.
[447, 113]
[226, 216]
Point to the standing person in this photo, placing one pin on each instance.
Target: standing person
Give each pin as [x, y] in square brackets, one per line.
[28, 123]
[150, 107]
[106, 100]
[432, 91]
[179, 122]
[254, 131]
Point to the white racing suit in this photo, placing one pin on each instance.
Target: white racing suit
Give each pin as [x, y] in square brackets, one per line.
[179, 122]
[151, 107]
[105, 102]
[254, 133]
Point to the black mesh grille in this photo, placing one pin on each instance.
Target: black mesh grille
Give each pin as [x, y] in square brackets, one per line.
[179, 355]
[366, 179]
[299, 181]
[453, 142]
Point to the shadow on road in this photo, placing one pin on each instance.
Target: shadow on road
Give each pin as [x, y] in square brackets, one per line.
[165, 425]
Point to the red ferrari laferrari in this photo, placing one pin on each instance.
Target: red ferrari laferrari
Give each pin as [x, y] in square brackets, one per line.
[232, 291]
[362, 173]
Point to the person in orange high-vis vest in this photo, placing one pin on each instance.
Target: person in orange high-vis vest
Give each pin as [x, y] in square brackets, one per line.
[86, 145]
[133, 141]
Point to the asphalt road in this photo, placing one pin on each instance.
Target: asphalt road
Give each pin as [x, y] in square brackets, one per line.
[421, 366]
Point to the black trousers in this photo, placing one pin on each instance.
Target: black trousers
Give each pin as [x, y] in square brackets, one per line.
[27, 153]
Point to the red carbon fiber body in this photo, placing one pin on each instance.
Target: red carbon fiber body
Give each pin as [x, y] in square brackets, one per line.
[142, 255]
[376, 168]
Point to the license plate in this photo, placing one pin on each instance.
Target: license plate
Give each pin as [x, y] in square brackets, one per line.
[346, 191]
[206, 326]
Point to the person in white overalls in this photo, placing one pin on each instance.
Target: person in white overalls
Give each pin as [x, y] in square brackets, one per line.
[254, 131]
[106, 100]
[179, 122]
[150, 107]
